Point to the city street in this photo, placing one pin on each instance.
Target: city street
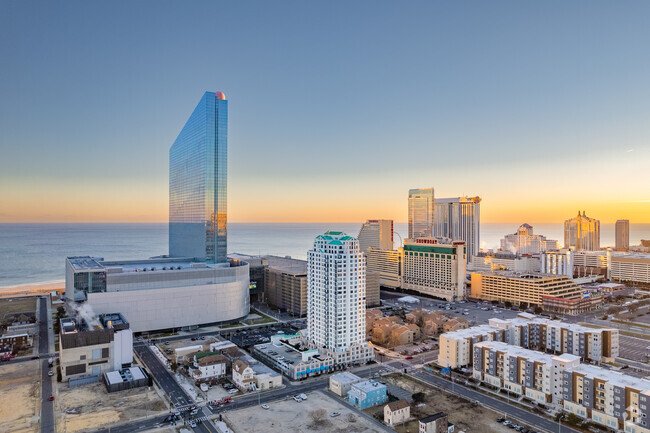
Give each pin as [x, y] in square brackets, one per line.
[163, 377]
[47, 406]
[521, 415]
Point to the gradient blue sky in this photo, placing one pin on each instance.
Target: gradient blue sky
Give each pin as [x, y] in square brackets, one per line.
[336, 108]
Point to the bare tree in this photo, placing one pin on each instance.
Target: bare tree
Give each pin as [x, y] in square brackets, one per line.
[351, 418]
[317, 416]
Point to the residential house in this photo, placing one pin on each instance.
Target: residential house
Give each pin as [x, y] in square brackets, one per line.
[208, 366]
[437, 423]
[243, 375]
[341, 383]
[367, 394]
[397, 412]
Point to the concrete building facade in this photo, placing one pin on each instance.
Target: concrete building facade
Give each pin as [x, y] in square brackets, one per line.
[161, 293]
[285, 284]
[519, 288]
[622, 229]
[523, 241]
[434, 269]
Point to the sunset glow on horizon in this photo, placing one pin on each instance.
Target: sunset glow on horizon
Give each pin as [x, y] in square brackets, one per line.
[473, 100]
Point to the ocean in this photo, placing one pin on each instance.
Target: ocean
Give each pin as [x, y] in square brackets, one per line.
[35, 253]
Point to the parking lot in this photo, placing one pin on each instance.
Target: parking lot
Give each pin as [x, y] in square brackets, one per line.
[259, 336]
[476, 314]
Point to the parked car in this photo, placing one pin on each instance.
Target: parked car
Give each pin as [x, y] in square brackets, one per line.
[51, 397]
[333, 414]
[265, 406]
[50, 373]
[303, 396]
[409, 357]
[296, 398]
[500, 420]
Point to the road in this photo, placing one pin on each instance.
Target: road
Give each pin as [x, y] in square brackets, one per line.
[521, 415]
[177, 395]
[47, 406]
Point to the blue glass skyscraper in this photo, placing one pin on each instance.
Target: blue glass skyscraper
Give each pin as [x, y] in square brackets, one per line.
[198, 164]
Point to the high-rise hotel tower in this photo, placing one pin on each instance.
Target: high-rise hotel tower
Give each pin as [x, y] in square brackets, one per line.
[582, 233]
[198, 164]
[459, 219]
[336, 293]
[420, 213]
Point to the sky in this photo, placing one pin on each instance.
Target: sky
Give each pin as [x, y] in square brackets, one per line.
[336, 108]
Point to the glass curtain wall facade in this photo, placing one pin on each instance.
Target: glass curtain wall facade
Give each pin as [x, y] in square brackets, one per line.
[459, 219]
[198, 163]
[420, 213]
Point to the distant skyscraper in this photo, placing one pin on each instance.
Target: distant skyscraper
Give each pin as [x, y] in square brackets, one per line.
[459, 219]
[376, 234]
[623, 235]
[420, 213]
[336, 292]
[582, 233]
[198, 162]
[525, 242]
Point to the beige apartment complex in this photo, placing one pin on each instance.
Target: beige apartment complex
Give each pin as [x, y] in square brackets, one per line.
[530, 332]
[605, 397]
[517, 288]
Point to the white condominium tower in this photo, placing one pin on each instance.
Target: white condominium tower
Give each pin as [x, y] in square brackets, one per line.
[459, 219]
[336, 293]
[376, 234]
[420, 213]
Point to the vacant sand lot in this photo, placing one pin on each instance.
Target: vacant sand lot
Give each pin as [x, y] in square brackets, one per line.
[288, 416]
[96, 407]
[464, 414]
[19, 397]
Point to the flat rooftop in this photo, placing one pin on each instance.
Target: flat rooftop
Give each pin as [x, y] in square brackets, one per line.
[345, 377]
[288, 265]
[368, 385]
[614, 377]
[531, 355]
[474, 331]
[88, 263]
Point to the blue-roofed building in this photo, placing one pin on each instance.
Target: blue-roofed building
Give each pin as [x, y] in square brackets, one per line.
[367, 394]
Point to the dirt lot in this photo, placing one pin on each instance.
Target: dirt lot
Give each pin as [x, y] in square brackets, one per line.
[288, 416]
[17, 310]
[19, 397]
[462, 413]
[96, 407]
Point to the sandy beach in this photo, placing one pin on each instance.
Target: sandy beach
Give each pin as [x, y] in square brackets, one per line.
[32, 289]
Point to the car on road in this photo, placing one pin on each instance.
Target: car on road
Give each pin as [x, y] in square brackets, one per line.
[193, 424]
[265, 406]
[50, 373]
[51, 397]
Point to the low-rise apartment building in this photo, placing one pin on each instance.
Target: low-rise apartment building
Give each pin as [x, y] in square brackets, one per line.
[367, 394]
[608, 398]
[341, 383]
[208, 366]
[531, 332]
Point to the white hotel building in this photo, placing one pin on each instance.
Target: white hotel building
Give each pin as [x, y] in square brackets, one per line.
[336, 293]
